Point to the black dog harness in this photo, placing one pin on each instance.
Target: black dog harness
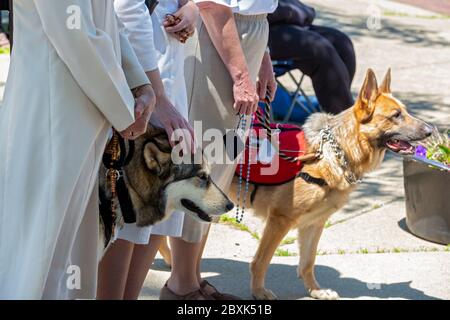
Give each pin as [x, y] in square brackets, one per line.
[305, 176]
[310, 179]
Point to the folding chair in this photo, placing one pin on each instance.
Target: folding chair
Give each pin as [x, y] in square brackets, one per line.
[282, 67]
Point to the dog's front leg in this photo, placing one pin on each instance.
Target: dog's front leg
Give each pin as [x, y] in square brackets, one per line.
[275, 230]
[309, 239]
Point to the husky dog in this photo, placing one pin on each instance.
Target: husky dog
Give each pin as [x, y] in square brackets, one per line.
[157, 187]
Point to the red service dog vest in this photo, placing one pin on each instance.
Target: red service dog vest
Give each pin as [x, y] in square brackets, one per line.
[290, 139]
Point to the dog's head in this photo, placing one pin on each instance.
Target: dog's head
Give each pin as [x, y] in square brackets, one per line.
[384, 120]
[157, 182]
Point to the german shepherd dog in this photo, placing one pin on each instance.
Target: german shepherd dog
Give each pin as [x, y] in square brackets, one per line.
[377, 122]
[157, 187]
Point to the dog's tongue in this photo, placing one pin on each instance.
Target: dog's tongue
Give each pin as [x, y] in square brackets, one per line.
[400, 145]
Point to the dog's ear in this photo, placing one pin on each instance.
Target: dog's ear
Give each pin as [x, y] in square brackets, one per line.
[155, 159]
[385, 86]
[369, 92]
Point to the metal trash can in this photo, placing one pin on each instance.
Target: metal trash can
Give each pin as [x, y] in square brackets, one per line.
[427, 192]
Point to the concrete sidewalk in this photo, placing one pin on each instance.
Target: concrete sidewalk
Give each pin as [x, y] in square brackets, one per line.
[366, 251]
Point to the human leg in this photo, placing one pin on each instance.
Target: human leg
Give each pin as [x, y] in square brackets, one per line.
[315, 56]
[343, 45]
[113, 270]
[141, 261]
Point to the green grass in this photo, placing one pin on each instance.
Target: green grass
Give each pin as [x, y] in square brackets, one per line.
[226, 219]
[399, 250]
[288, 240]
[328, 224]
[406, 15]
[255, 235]
[283, 253]
[382, 250]
[376, 206]
[363, 251]
[341, 251]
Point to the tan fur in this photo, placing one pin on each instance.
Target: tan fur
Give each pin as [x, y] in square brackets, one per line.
[306, 206]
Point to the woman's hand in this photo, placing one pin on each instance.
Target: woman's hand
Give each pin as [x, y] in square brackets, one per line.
[245, 96]
[175, 125]
[267, 85]
[188, 15]
[145, 105]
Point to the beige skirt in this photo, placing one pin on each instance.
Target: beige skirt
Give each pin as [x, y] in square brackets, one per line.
[210, 94]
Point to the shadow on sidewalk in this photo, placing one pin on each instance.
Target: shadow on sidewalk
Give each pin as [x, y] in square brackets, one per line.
[234, 277]
[356, 27]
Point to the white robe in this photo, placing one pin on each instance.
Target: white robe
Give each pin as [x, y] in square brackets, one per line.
[66, 86]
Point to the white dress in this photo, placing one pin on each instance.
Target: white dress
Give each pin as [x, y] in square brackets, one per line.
[247, 7]
[156, 49]
[66, 86]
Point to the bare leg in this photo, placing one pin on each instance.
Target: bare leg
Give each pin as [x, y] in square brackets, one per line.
[275, 230]
[183, 278]
[199, 258]
[164, 250]
[113, 270]
[208, 289]
[309, 239]
[141, 261]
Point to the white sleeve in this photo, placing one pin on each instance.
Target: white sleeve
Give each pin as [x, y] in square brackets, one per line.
[89, 54]
[139, 29]
[227, 3]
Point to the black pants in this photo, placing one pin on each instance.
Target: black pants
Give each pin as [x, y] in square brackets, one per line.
[325, 54]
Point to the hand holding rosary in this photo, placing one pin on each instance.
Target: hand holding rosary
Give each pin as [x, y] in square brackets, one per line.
[172, 21]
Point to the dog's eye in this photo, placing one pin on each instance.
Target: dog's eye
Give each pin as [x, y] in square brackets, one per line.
[397, 114]
[203, 176]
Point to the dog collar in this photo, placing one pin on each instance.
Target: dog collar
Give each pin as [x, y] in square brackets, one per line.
[327, 136]
[115, 158]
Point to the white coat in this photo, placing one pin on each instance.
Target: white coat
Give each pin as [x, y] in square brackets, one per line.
[70, 78]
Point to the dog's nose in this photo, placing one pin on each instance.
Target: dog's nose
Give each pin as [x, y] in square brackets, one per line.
[428, 130]
[230, 206]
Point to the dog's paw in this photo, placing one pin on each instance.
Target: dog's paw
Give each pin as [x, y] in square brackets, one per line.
[324, 294]
[264, 294]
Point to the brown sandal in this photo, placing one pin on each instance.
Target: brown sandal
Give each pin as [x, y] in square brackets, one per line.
[217, 295]
[167, 294]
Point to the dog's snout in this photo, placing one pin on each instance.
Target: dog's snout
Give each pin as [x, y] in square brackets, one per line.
[230, 206]
[427, 130]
